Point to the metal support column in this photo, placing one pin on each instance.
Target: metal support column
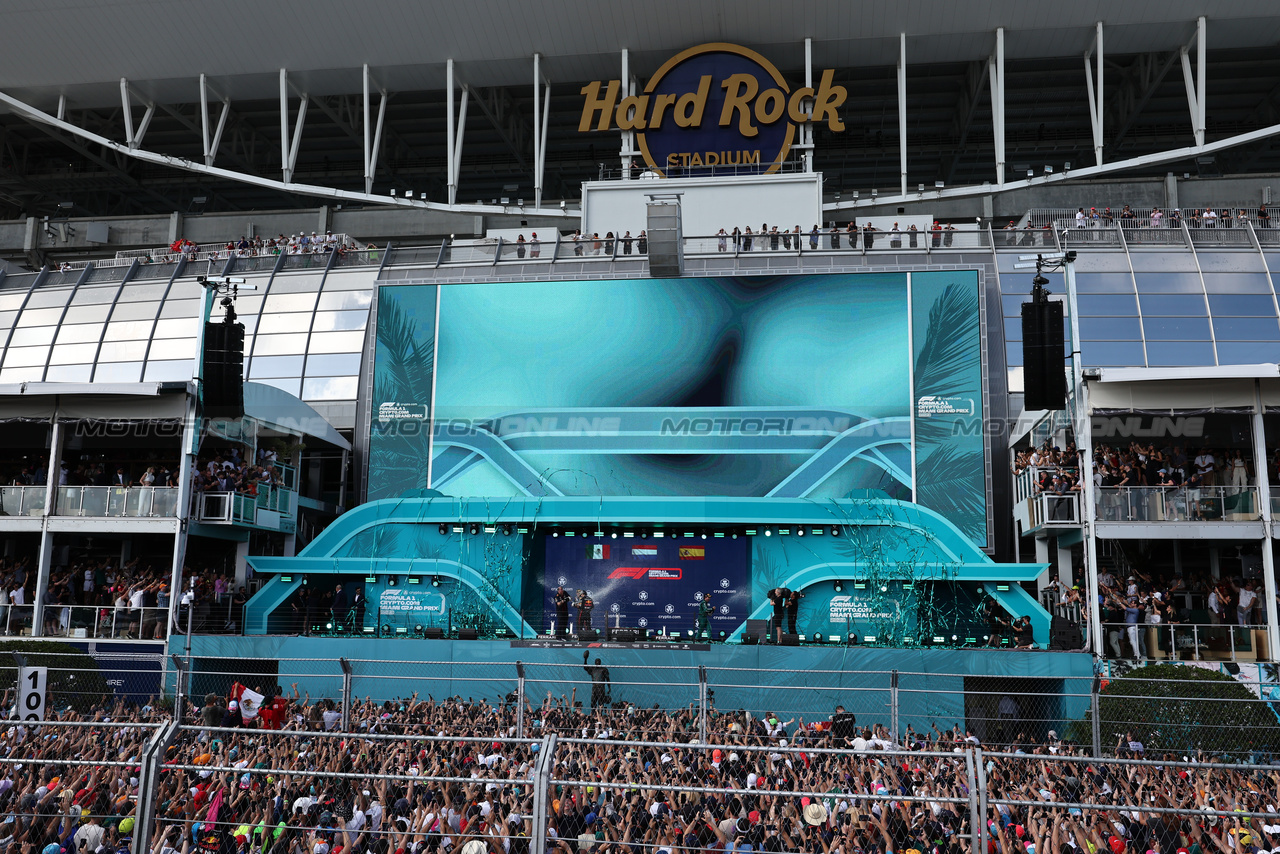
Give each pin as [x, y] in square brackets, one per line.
[520, 699]
[995, 67]
[455, 130]
[806, 129]
[1095, 95]
[371, 147]
[1195, 85]
[346, 694]
[44, 561]
[1262, 479]
[902, 109]
[537, 130]
[893, 708]
[628, 137]
[702, 704]
[186, 463]
[541, 799]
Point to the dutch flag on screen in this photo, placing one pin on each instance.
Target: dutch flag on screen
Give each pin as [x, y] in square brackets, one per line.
[644, 551]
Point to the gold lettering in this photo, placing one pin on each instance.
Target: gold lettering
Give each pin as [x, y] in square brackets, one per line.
[795, 109]
[690, 107]
[751, 157]
[770, 106]
[673, 160]
[595, 104]
[631, 112]
[827, 103]
[739, 90]
[696, 160]
[713, 158]
[660, 105]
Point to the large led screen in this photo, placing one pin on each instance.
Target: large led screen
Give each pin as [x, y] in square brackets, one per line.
[789, 386]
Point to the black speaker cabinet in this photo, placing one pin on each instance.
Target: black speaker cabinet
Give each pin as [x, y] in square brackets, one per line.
[1043, 356]
[468, 634]
[588, 635]
[223, 370]
[433, 632]
[789, 640]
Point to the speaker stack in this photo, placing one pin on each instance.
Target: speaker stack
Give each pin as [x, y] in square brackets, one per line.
[1043, 352]
[223, 374]
[1064, 634]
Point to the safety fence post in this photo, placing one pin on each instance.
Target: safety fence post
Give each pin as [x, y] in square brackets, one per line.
[541, 786]
[346, 694]
[149, 783]
[180, 686]
[519, 699]
[893, 707]
[982, 799]
[972, 775]
[1095, 710]
[702, 704]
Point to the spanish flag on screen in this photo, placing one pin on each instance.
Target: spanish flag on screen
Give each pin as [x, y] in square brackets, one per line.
[693, 553]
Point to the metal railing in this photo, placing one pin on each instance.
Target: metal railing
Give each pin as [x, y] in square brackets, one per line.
[22, 500]
[1185, 641]
[240, 507]
[117, 501]
[1052, 509]
[96, 622]
[1178, 504]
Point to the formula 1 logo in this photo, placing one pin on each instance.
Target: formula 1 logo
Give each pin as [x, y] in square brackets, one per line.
[656, 573]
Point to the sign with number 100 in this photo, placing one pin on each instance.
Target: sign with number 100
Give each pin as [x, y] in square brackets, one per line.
[32, 683]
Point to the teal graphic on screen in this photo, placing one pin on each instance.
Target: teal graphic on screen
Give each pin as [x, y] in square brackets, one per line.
[789, 386]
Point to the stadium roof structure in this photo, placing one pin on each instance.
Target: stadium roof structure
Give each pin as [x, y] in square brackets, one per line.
[1180, 85]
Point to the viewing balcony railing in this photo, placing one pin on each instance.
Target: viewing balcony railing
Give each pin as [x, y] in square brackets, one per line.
[117, 501]
[238, 508]
[1178, 504]
[1053, 510]
[1186, 642]
[91, 621]
[22, 500]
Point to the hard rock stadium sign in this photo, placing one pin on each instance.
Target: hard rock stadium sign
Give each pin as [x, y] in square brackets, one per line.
[714, 105]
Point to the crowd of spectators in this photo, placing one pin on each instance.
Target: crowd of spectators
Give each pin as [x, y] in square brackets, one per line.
[143, 469]
[250, 247]
[230, 471]
[1207, 217]
[449, 775]
[110, 599]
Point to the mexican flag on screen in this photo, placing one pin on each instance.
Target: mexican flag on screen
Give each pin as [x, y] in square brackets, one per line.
[598, 552]
[250, 701]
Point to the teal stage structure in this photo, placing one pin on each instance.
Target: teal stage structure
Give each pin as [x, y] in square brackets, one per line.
[890, 570]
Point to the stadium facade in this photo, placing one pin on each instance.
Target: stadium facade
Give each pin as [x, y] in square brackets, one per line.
[465, 405]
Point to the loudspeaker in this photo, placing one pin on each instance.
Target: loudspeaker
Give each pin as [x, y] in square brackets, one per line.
[468, 634]
[588, 635]
[1044, 377]
[433, 632]
[666, 239]
[1064, 634]
[223, 370]
[789, 640]
[750, 638]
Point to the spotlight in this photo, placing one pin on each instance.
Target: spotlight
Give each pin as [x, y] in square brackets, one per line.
[644, 533]
[475, 528]
[443, 529]
[938, 185]
[419, 629]
[391, 581]
[817, 637]
[386, 628]
[506, 530]
[768, 532]
[1031, 173]
[800, 531]
[329, 626]
[704, 533]
[393, 194]
[690, 632]
[722, 635]
[955, 638]
[884, 588]
[733, 534]
[920, 188]
[875, 193]
[839, 586]
[555, 535]
[435, 581]
[613, 535]
[835, 530]
[852, 639]
[1048, 170]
